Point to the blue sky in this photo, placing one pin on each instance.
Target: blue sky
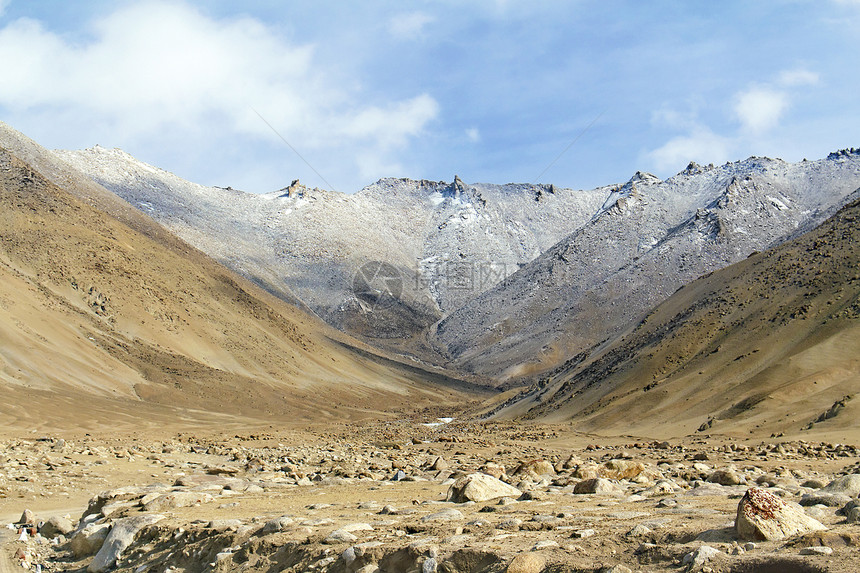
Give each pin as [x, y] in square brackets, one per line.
[492, 91]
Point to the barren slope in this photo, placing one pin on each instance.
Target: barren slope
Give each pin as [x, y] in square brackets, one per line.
[768, 345]
[102, 323]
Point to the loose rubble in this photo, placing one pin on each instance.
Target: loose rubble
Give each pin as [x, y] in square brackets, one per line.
[392, 498]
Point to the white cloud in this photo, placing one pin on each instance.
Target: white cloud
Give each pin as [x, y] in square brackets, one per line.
[473, 134]
[798, 77]
[409, 24]
[759, 109]
[3, 5]
[700, 145]
[756, 113]
[391, 126]
[156, 66]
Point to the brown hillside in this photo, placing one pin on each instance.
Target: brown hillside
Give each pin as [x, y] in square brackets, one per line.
[102, 323]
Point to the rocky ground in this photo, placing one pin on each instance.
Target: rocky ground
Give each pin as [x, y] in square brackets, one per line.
[404, 496]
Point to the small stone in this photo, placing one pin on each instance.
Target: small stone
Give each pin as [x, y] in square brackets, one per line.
[527, 563]
[512, 524]
[357, 527]
[494, 470]
[277, 524]
[725, 477]
[444, 515]
[56, 526]
[544, 544]
[27, 518]
[439, 464]
[536, 467]
[638, 531]
[340, 536]
[225, 524]
[696, 560]
[817, 550]
[583, 533]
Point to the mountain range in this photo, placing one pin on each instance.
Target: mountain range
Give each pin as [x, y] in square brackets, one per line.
[721, 299]
[501, 282]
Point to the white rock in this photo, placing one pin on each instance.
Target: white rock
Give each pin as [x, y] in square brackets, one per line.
[816, 550]
[696, 560]
[444, 515]
[480, 487]
[90, 539]
[121, 536]
[340, 536]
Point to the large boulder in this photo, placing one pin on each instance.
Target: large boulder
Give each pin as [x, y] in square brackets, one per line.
[596, 485]
[88, 540]
[56, 526]
[763, 516]
[121, 536]
[622, 469]
[538, 467]
[835, 494]
[847, 485]
[480, 487]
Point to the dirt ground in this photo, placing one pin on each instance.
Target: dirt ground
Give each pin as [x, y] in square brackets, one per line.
[372, 496]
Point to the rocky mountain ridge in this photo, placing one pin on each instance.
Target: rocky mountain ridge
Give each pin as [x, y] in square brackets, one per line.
[769, 342]
[496, 280]
[648, 239]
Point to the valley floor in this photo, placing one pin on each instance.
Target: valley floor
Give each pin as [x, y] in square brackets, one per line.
[374, 496]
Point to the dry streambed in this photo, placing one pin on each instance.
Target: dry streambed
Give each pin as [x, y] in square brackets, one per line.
[464, 499]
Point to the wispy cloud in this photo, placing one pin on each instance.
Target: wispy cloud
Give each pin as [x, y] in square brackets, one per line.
[799, 76]
[473, 134]
[409, 25]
